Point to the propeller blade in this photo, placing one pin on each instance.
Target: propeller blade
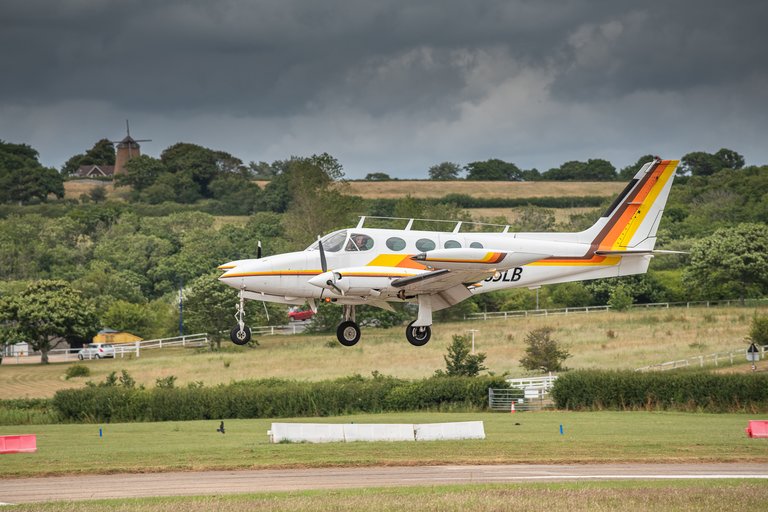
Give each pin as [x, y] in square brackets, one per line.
[258, 251]
[323, 262]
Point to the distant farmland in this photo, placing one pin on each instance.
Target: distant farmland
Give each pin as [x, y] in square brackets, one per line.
[504, 189]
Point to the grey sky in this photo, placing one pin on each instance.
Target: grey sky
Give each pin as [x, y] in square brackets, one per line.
[387, 85]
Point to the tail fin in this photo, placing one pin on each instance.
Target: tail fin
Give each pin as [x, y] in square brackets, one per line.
[631, 222]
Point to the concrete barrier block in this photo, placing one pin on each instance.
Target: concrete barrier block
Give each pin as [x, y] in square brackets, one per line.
[307, 432]
[447, 431]
[378, 432]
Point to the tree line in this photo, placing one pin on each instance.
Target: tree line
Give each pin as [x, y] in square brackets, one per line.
[123, 263]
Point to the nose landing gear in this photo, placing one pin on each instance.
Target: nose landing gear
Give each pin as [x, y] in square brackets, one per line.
[241, 333]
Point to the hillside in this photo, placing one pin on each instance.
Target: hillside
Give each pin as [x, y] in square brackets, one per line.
[598, 340]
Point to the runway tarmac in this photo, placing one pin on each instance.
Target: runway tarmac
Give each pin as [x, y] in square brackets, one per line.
[88, 487]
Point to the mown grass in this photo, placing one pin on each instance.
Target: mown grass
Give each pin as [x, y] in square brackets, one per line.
[597, 340]
[510, 438]
[674, 495]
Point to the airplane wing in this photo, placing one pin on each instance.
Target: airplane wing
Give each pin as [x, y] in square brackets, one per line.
[447, 287]
[456, 271]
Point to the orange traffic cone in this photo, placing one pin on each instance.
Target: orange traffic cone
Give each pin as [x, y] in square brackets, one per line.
[512, 409]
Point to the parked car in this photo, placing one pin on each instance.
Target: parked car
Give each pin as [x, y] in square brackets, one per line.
[296, 315]
[96, 351]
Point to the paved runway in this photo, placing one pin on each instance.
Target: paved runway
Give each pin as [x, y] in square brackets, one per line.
[86, 487]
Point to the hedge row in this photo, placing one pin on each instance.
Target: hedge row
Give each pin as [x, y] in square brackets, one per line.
[681, 391]
[273, 399]
[386, 207]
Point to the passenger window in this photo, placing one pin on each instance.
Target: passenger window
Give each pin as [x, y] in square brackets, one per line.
[425, 244]
[452, 244]
[359, 242]
[396, 244]
[476, 245]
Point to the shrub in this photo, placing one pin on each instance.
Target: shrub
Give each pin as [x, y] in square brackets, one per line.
[542, 352]
[77, 370]
[681, 391]
[758, 330]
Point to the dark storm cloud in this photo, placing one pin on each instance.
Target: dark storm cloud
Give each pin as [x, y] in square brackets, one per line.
[441, 78]
[274, 58]
[263, 57]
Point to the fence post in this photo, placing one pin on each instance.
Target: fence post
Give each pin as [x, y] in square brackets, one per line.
[138, 348]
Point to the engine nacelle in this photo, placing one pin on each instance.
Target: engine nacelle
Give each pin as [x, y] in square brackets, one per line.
[475, 259]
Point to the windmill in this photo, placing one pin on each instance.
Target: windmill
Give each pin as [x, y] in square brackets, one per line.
[126, 149]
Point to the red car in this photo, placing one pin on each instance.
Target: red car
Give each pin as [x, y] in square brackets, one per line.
[299, 315]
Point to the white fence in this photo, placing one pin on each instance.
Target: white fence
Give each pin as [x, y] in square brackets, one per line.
[592, 309]
[121, 349]
[720, 358]
[528, 394]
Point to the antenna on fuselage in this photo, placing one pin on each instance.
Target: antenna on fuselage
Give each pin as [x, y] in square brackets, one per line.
[258, 251]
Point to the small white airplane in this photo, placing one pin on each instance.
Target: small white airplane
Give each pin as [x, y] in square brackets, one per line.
[435, 269]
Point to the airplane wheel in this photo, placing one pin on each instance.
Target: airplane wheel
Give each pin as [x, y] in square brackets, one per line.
[240, 337]
[418, 336]
[348, 333]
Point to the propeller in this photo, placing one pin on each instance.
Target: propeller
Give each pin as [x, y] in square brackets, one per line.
[324, 266]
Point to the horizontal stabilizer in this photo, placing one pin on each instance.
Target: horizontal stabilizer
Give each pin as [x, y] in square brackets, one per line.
[639, 252]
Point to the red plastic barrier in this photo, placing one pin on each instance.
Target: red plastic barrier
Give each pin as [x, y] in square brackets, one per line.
[18, 444]
[757, 428]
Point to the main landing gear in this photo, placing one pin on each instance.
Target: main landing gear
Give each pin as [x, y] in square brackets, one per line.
[418, 336]
[241, 333]
[348, 332]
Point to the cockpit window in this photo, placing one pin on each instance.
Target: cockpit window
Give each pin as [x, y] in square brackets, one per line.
[332, 242]
[359, 242]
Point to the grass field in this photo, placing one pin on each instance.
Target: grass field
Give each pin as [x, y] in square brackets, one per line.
[597, 340]
[676, 495]
[511, 438]
[506, 189]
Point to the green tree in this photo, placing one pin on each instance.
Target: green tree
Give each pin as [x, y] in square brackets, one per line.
[46, 314]
[444, 171]
[317, 205]
[141, 172]
[534, 218]
[700, 163]
[758, 330]
[628, 172]
[542, 352]
[102, 153]
[730, 159]
[23, 178]
[377, 176]
[199, 164]
[493, 170]
[594, 169]
[620, 299]
[731, 263]
[459, 362]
